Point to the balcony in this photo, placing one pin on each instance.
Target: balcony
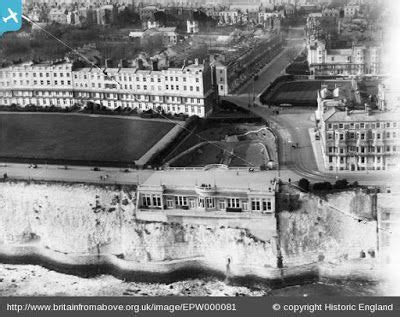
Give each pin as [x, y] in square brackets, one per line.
[364, 142]
[205, 189]
[378, 142]
[340, 142]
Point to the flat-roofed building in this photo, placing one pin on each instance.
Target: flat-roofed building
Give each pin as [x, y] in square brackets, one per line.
[215, 189]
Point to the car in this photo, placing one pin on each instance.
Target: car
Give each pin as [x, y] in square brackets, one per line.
[251, 169]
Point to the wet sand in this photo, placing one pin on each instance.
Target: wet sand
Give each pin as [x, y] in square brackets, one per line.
[33, 280]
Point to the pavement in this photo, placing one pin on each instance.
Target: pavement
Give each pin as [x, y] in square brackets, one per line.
[292, 125]
[83, 174]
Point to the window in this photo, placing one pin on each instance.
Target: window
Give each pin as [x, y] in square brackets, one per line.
[181, 201]
[156, 201]
[221, 205]
[209, 202]
[255, 204]
[233, 203]
[146, 200]
[170, 203]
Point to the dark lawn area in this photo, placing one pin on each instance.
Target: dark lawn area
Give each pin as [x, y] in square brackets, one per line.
[297, 93]
[89, 139]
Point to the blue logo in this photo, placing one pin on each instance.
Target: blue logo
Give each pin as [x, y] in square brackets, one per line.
[10, 15]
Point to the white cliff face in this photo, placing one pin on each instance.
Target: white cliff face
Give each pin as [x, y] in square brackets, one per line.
[77, 219]
[339, 227]
[85, 219]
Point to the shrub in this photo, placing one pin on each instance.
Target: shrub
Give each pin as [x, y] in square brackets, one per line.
[304, 184]
[341, 184]
[322, 186]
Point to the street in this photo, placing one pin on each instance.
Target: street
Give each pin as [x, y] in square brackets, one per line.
[296, 155]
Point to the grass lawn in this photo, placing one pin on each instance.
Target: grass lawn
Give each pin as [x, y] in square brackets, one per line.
[296, 93]
[77, 138]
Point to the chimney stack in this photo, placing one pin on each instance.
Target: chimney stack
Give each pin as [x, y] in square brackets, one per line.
[368, 109]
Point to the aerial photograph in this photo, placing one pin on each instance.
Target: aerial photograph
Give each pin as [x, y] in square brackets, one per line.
[220, 148]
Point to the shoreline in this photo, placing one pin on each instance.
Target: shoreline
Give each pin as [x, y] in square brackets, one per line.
[91, 266]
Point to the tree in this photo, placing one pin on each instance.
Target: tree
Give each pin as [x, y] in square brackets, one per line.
[322, 186]
[341, 184]
[304, 184]
[291, 54]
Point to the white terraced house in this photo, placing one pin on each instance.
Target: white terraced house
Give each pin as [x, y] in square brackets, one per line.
[186, 90]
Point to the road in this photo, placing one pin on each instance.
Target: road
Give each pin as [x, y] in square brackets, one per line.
[292, 126]
[295, 41]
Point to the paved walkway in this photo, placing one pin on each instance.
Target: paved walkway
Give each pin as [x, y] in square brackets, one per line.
[83, 174]
[317, 149]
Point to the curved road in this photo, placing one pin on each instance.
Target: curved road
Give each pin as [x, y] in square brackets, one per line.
[292, 126]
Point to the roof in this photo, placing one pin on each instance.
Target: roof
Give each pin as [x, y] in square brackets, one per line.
[221, 178]
[337, 115]
[167, 29]
[136, 34]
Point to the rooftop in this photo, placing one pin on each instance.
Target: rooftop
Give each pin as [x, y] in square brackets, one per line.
[219, 177]
[337, 115]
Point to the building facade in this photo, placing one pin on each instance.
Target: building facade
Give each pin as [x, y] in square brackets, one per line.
[186, 90]
[360, 140]
[357, 60]
[231, 71]
[192, 26]
[209, 190]
[351, 11]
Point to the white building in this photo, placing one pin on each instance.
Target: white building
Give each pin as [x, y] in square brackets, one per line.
[350, 11]
[357, 60]
[186, 90]
[209, 190]
[192, 27]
